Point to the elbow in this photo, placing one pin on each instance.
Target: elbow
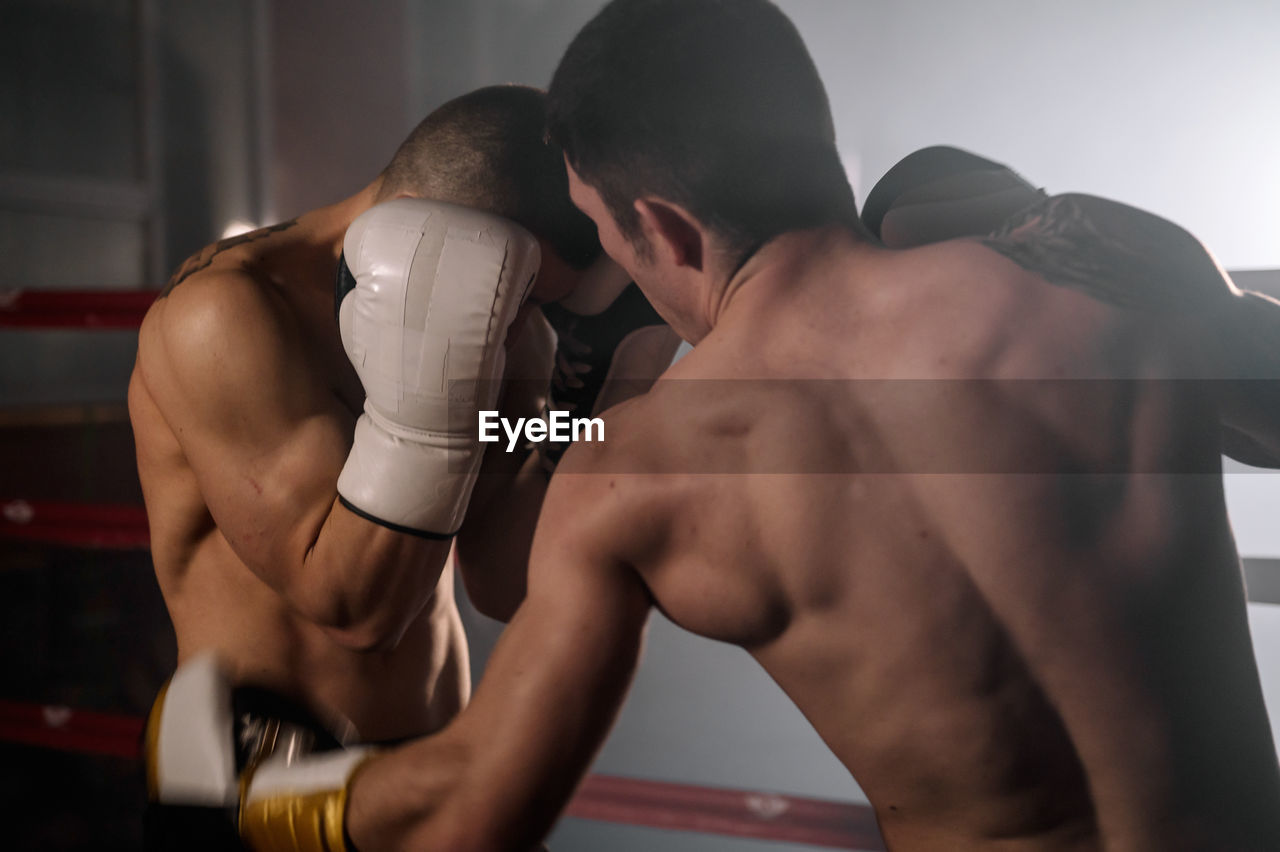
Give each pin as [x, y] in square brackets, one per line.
[465, 833]
[453, 839]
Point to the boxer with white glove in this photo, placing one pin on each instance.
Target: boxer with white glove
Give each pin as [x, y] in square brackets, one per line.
[436, 288]
[303, 472]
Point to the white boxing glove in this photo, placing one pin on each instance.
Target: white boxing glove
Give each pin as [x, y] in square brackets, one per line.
[190, 739]
[219, 762]
[436, 287]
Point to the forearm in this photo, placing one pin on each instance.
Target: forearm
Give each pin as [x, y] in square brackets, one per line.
[1249, 395]
[493, 546]
[499, 776]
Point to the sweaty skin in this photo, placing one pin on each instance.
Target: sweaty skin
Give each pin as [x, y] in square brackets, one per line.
[243, 406]
[1010, 604]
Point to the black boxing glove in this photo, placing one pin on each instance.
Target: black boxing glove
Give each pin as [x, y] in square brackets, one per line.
[942, 193]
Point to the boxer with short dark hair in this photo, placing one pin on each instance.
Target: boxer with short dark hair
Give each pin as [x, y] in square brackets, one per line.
[966, 513]
[612, 118]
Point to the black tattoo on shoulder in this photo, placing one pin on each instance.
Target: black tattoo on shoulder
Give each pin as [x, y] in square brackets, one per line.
[1115, 253]
[203, 258]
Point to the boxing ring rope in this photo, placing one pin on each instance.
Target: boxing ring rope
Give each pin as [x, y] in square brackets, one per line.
[629, 801]
[734, 813]
[84, 309]
[607, 798]
[65, 729]
[104, 527]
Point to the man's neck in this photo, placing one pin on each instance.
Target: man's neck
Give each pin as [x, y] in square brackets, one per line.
[783, 262]
[304, 253]
[328, 225]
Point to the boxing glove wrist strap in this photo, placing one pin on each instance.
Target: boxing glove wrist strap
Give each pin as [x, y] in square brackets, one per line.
[300, 807]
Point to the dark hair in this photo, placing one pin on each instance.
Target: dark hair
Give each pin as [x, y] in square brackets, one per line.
[712, 104]
[488, 150]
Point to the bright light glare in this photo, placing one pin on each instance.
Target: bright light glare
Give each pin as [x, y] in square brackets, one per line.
[236, 227]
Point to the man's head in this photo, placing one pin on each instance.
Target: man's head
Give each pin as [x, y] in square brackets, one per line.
[488, 150]
[713, 106]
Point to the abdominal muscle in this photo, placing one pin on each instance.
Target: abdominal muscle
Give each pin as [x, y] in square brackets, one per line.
[218, 605]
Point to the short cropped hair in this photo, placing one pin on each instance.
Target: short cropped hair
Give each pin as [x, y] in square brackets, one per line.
[712, 104]
[488, 149]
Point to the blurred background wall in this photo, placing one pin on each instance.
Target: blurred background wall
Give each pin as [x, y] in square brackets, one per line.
[136, 131]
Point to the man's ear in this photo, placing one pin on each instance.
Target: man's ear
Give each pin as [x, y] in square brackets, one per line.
[672, 231]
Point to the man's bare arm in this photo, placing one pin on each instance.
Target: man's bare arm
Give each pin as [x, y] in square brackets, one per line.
[1119, 254]
[492, 548]
[1250, 383]
[266, 438]
[1128, 257]
[501, 773]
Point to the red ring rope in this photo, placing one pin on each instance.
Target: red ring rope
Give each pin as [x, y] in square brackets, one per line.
[630, 801]
[735, 813]
[58, 727]
[75, 524]
[74, 308]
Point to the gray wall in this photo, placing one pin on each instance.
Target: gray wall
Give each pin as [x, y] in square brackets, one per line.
[128, 142]
[339, 84]
[1171, 105]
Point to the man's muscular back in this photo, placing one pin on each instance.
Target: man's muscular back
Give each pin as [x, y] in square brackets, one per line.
[243, 405]
[975, 530]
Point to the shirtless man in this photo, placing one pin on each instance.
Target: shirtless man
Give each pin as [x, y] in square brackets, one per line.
[1010, 604]
[244, 405]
